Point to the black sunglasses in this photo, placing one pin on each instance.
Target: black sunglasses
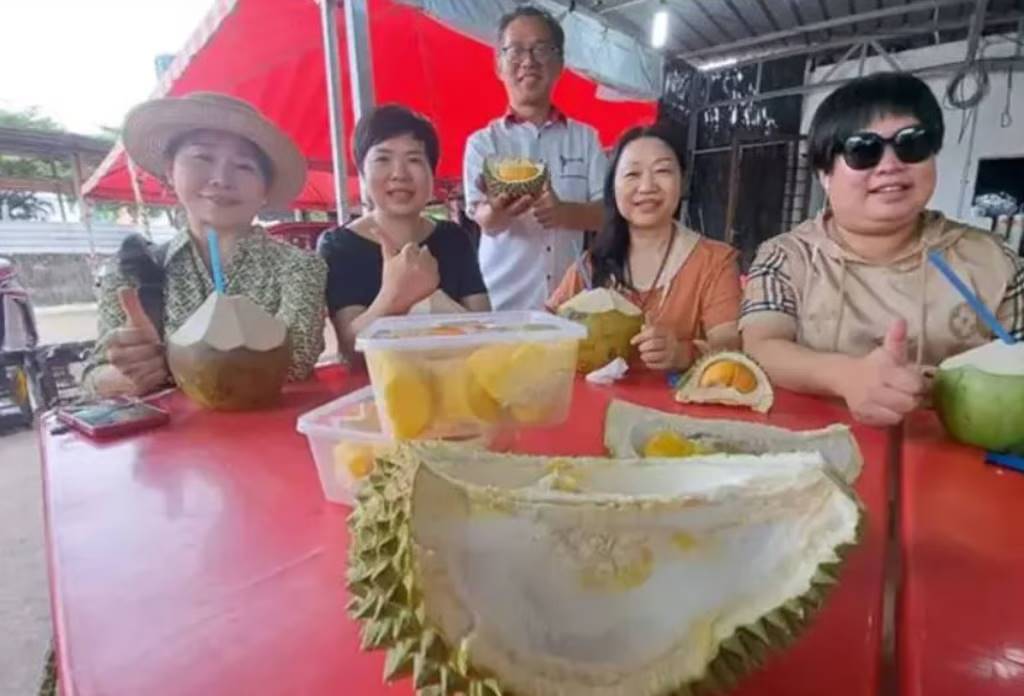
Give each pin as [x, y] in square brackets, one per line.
[864, 150]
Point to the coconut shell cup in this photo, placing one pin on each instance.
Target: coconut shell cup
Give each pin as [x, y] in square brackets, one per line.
[234, 380]
[979, 396]
[230, 355]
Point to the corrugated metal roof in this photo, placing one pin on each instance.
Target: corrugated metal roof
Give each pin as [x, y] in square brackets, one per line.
[717, 28]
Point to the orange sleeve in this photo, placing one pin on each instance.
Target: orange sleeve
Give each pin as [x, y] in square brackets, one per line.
[570, 286]
[720, 302]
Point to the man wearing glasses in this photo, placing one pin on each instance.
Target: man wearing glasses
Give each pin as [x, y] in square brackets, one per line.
[527, 243]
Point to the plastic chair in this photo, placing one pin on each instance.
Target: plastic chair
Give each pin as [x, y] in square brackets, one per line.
[301, 234]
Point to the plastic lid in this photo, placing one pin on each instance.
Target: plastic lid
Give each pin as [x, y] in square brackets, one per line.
[431, 331]
[352, 416]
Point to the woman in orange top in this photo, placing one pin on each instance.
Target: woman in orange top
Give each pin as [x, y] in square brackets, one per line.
[687, 285]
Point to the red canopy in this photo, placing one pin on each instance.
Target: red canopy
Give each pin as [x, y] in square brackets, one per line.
[270, 53]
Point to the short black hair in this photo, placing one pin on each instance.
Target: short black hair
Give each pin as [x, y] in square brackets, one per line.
[554, 28]
[389, 121]
[856, 104]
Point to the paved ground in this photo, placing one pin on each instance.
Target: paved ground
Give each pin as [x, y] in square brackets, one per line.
[24, 598]
[25, 629]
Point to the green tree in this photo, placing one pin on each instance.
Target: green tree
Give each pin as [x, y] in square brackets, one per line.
[23, 205]
[27, 205]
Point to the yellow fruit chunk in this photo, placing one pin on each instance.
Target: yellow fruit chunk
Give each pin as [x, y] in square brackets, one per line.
[408, 400]
[729, 373]
[511, 372]
[565, 477]
[517, 170]
[355, 457]
[684, 541]
[666, 443]
[461, 397]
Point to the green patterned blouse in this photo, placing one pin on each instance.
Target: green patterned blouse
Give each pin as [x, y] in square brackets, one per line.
[282, 279]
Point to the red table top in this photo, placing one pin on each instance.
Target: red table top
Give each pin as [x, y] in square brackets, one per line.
[201, 557]
[961, 612]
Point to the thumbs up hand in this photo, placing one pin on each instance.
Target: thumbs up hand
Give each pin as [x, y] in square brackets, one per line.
[408, 275]
[882, 387]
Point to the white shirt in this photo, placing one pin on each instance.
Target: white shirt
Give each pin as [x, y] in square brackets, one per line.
[522, 265]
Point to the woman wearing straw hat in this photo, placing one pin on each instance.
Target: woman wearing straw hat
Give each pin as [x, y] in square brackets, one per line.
[224, 162]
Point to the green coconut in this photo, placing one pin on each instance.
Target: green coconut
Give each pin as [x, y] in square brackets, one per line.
[230, 355]
[514, 176]
[611, 320]
[979, 395]
[492, 574]
[630, 431]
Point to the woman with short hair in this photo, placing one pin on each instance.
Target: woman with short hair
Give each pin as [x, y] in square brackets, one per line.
[847, 304]
[394, 257]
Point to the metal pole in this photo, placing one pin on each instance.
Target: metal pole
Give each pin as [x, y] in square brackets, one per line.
[694, 99]
[360, 58]
[842, 61]
[733, 195]
[85, 210]
[141, 216]
[886, 56]
[335, 108]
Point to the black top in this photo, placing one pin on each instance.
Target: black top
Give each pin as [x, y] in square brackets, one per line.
[354, 265]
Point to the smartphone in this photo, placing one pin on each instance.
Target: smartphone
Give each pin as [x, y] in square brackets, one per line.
[114, 417]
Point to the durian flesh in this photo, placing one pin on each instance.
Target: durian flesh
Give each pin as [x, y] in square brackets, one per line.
[594, 577]
[628, 429]
[727, 377]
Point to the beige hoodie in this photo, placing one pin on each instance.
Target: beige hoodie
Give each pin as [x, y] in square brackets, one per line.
[837, 301]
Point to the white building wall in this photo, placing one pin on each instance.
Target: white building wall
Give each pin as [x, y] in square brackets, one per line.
[991, 139]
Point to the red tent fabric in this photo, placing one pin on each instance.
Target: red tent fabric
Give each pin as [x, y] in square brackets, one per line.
[270, 53]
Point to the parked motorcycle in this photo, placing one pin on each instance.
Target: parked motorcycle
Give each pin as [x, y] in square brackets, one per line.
[19, 337]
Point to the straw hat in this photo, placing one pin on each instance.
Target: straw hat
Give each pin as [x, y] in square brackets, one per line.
[151, 127]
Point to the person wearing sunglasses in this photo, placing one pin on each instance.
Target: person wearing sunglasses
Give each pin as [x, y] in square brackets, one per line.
[847, 304]
[528, 242]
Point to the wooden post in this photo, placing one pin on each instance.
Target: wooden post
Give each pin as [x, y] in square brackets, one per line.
[60, 197]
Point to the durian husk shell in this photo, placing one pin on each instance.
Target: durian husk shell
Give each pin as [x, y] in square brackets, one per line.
[608, 337]
[240, 379]
[386, 599]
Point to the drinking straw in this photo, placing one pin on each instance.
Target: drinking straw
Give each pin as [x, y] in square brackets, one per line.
[1009, 461]
[215, 267]
[976, 304]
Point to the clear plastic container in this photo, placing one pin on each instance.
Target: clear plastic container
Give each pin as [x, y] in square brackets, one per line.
[345, 438]
[459, 375]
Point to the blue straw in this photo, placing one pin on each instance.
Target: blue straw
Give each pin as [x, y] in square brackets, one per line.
[218, 271]
[1007, 461]
[976, 304]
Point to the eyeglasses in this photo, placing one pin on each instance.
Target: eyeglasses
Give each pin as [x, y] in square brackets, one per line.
[865, 150]
[542, 53]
